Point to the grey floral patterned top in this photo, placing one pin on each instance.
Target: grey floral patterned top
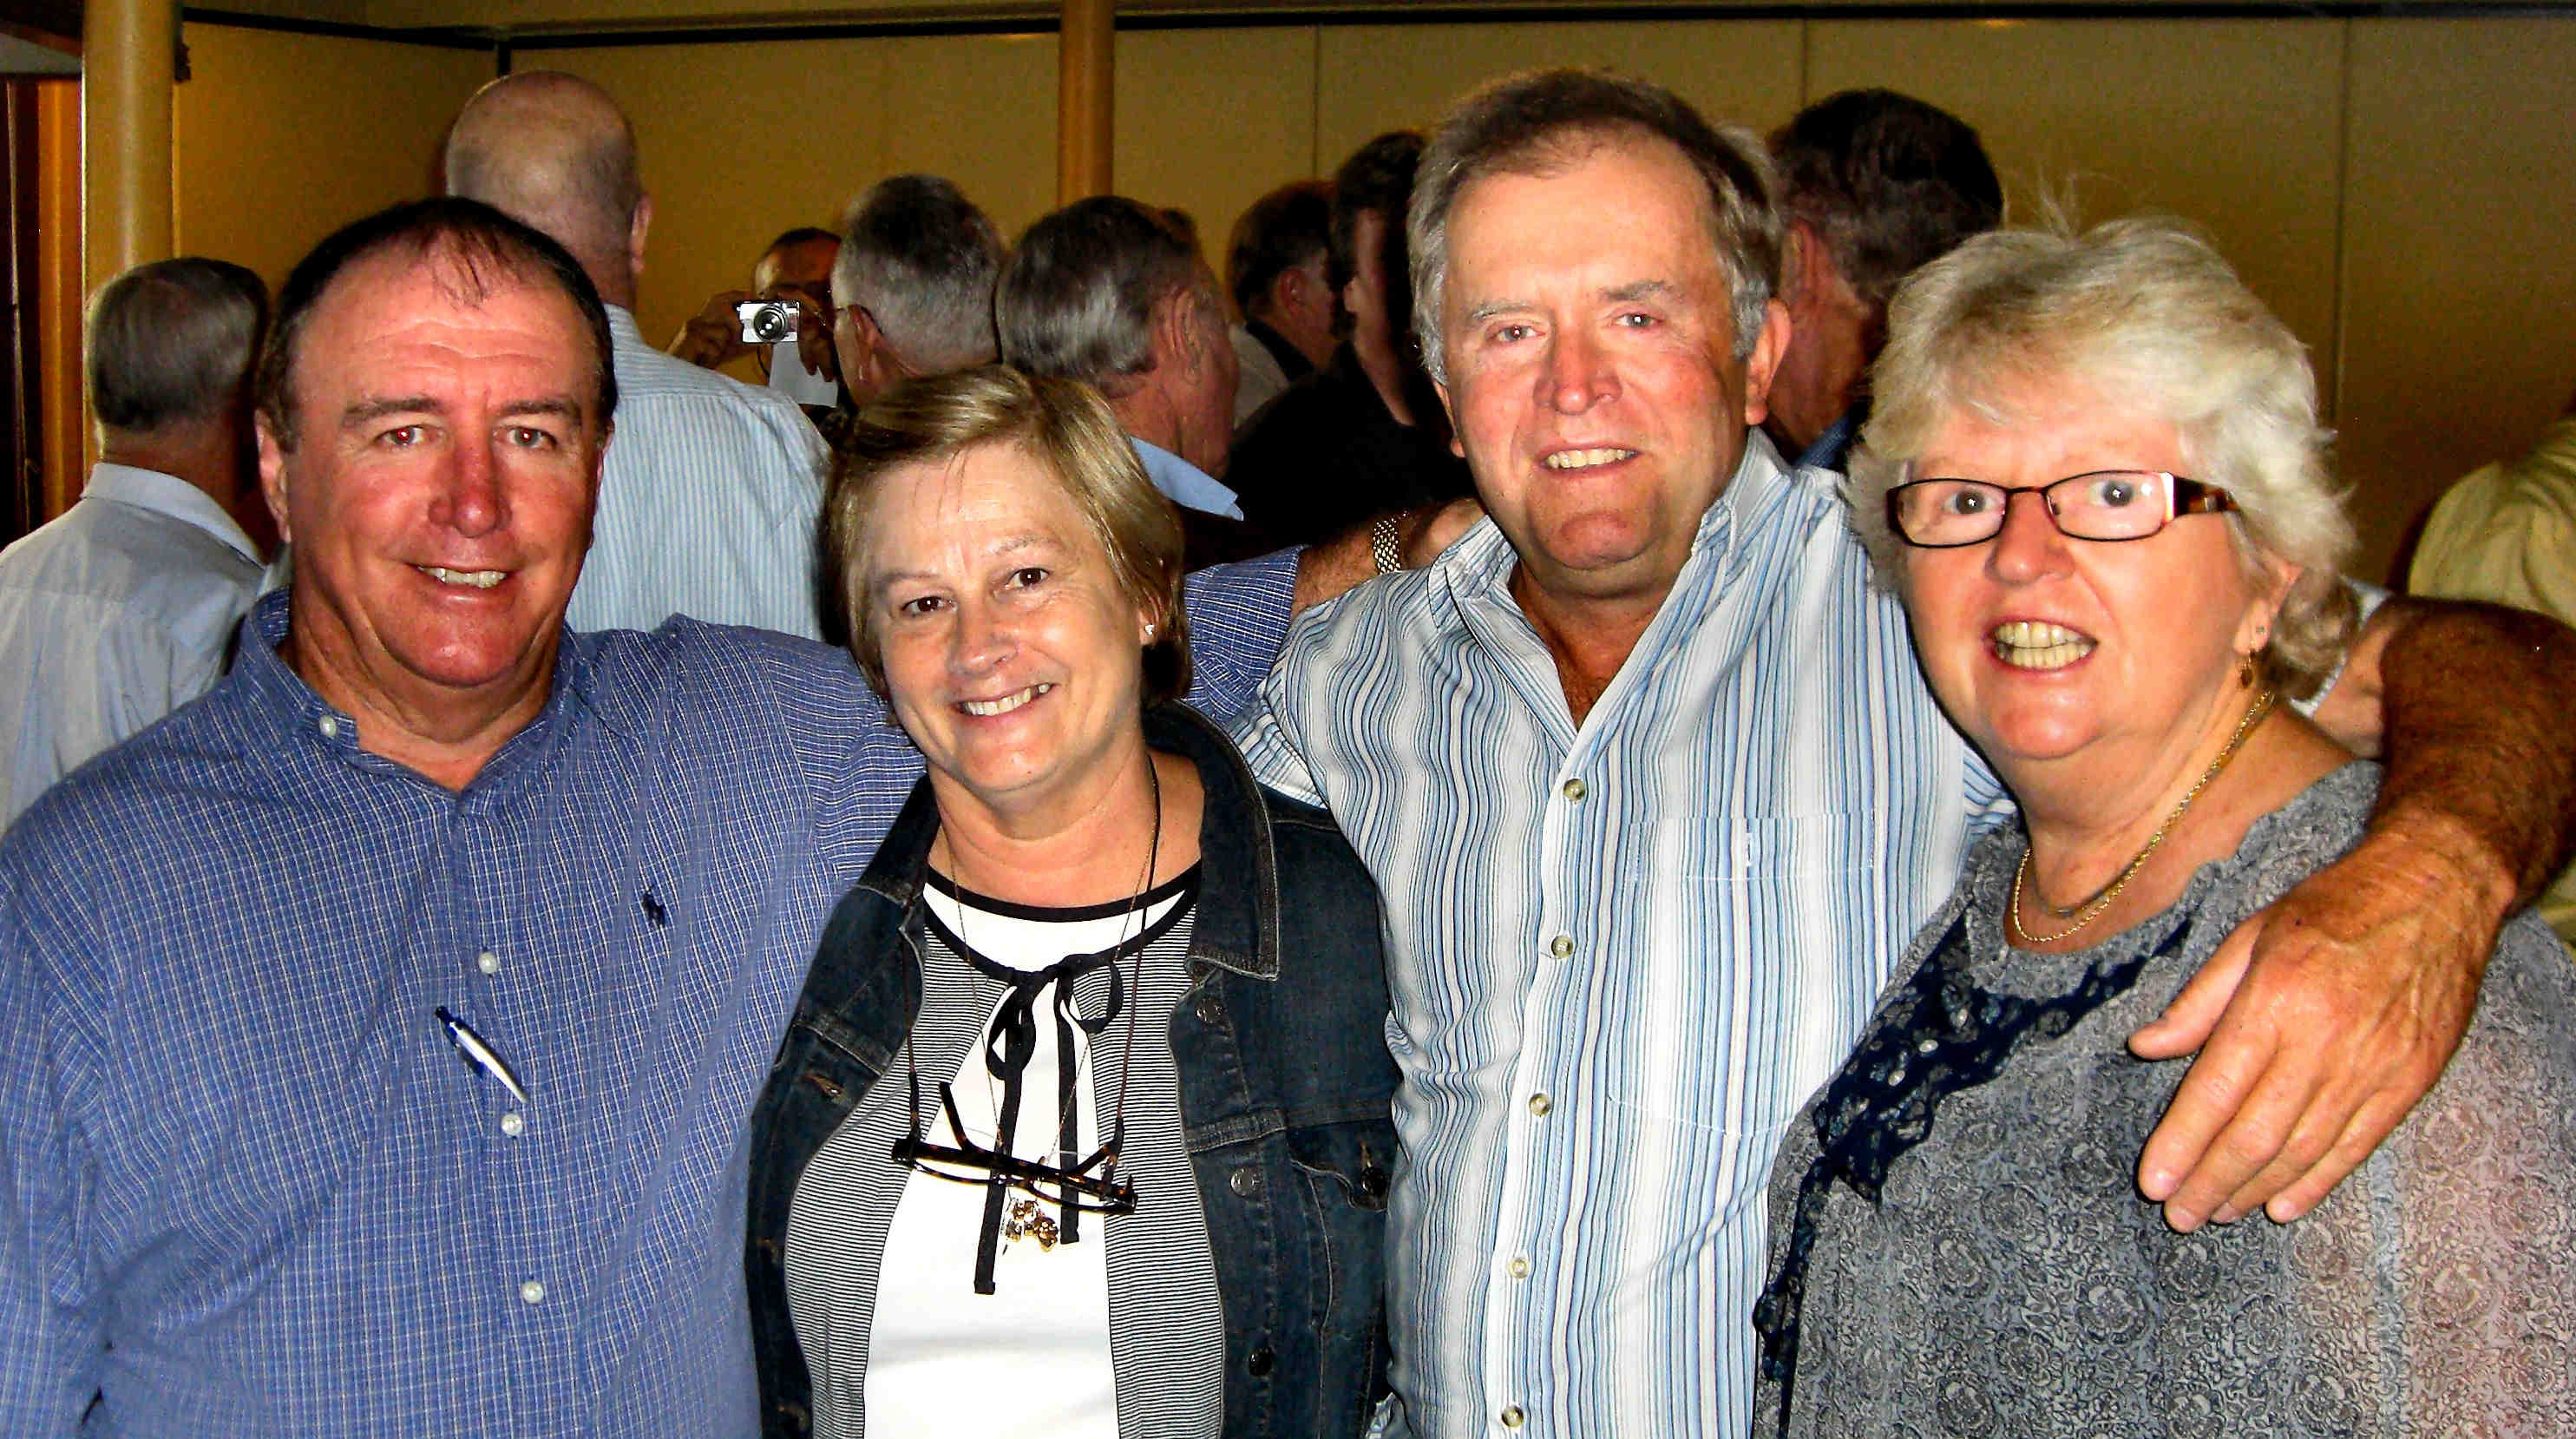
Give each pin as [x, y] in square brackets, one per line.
[2009, 1280]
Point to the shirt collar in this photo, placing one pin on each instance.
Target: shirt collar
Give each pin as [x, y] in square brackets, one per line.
[301, 715]
[168, 495]
[621, 325]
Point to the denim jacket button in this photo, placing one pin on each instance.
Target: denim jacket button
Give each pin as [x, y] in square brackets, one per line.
[1245, 1182]
[1209, 1009]
[1262, 1359]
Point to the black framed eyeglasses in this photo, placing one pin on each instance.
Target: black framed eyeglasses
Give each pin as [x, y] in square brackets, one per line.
[2100, 505]
[1091, 1186]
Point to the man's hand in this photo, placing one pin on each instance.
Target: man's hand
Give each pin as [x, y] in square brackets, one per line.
[1328, 569]
[2320, 1022]
[712, 336]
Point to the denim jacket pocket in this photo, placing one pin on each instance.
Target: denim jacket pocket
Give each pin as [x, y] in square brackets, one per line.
[1344, 1170]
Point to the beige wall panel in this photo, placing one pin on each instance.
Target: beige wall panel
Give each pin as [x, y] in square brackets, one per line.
[282, 139]
[737, 142]
[2230, 124]
[1377, 78]
[1210, 120]
[981, 111]
[2459, 256]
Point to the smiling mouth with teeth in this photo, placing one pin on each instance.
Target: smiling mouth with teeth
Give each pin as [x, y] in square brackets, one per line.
[2038, 645]
[1004, 705]
[1586, 459]
[478, 579]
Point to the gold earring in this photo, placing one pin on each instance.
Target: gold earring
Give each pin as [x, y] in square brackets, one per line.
[2245, 671]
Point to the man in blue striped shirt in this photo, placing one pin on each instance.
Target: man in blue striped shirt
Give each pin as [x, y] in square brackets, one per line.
[377, 1033]
[1655, 796]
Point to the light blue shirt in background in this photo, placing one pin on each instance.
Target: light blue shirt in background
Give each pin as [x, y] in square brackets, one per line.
[709, 501]
[1622, 953]
[1184, 483]
[118, 612]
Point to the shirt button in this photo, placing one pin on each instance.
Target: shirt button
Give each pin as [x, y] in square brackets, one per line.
[1511, 1416]
[1574, 789]
[488, 962]
[532, 1292]
[1539, 1105]
[1520, 1266]
[330, 726]
[1245, 1182]
[512, 1125]
[1561, 946]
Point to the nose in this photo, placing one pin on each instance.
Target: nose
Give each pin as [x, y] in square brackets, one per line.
[2029, 546]
[982, 638]
[470, 502]
[1579, 373]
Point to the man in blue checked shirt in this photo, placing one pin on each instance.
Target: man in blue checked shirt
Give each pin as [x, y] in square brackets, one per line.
[376, 1034]
[1655, 795]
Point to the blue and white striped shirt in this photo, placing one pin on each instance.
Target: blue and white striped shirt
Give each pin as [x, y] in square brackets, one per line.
[1623, 953]
[709, 501]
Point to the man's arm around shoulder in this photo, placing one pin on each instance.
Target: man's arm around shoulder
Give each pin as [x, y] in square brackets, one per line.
[2323, 1019]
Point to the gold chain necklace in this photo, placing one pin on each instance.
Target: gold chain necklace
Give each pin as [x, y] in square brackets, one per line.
[2091, 909]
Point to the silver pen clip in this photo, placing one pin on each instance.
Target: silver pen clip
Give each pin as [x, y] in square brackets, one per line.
[471, 1048]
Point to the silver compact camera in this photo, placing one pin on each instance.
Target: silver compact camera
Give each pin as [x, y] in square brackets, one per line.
[766, 322]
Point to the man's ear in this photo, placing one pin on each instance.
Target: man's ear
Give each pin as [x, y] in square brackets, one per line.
[636, 229]
[1764, 362]
[1175, 331]
[272, 476]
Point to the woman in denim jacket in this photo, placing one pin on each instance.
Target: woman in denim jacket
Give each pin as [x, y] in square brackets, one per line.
[1081, 1125]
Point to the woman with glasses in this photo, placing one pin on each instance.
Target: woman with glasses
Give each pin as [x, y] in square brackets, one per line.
[1081, 1126]
[2095, 476]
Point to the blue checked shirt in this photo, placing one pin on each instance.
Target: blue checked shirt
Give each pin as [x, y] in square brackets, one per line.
[250, 1188]
[1621, 954]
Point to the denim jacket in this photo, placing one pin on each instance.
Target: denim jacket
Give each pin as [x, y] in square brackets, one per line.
[1285, 1086]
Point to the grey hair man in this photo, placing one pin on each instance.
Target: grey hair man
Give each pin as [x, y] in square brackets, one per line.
[1108, 292]
[1876, 185]
[1710, 800]
[710, 497]
[123, 608]
[1276, 267]
[915, 284]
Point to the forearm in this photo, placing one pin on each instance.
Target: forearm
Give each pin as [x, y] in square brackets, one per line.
[1327, 570]
[2481, 757]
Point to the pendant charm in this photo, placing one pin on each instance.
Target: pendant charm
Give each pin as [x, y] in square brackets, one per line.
[1029, 1220]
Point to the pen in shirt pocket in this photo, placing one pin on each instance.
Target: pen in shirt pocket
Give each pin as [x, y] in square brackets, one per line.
[479, 1054]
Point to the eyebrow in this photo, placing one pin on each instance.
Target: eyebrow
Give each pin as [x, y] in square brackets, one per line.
[1011, 546]
[362, 411]
[1624, 294]
[1639, 290]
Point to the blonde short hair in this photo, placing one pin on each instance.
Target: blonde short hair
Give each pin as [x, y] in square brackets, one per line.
[1069, 431]
[2145, 312]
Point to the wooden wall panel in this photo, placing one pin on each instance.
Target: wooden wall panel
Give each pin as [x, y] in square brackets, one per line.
[1210, 120]
[281, 139]
[2459, 294]
[1378, 78]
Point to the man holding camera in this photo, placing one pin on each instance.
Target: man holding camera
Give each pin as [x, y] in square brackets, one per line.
[709, 496]
[785, 317]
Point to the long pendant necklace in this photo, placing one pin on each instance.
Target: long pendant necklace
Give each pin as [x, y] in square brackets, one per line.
[2089, 909]
[1025, 1217]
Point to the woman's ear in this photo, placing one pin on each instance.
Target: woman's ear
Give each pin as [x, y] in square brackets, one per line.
[2256, 630]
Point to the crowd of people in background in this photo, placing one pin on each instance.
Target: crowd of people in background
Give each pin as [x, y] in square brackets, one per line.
[1126, 850]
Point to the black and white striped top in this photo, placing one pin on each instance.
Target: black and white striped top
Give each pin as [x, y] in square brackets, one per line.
[1165, 1320]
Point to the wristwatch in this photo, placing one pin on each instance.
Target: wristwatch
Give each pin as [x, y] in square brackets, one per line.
[1385, 544]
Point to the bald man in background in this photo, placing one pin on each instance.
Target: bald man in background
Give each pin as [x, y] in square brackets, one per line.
[709, 495]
